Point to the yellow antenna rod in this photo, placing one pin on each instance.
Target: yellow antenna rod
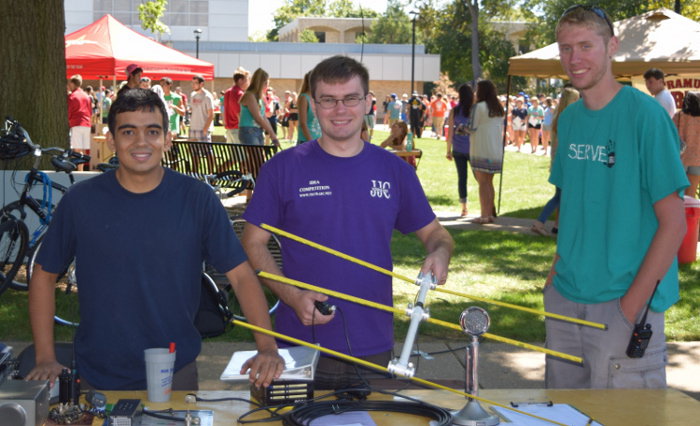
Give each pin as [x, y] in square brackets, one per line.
[440, 289]
[399, 311]
[382, 368]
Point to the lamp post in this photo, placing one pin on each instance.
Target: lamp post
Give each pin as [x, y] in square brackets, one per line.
[197, 34]
[413, 49]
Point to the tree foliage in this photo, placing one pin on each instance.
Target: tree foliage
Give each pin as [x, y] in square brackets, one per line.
[326, 8]
[393, 27]
[543, 24]
[150, 13]
[448, 32]
[308, 36]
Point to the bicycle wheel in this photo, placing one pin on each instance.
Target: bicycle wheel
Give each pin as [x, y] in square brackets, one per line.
[13, 245]
[273, 301]
[67, 306]
[18, 212]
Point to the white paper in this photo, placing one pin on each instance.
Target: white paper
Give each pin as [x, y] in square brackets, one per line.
[562, 413]
[299, 364]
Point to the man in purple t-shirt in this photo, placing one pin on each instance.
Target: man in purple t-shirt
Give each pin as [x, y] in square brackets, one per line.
[350, 195]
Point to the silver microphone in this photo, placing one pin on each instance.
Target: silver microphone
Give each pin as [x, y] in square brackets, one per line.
[475, 321]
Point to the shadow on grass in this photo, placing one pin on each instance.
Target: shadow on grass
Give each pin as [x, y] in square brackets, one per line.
[531, 213]
[498, 253]
[440, 200]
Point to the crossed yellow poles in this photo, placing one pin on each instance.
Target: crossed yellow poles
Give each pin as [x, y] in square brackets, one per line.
[384, 369]
[439, 289]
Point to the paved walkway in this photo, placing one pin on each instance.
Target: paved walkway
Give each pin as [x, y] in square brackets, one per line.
[501, 366]
[502, 223]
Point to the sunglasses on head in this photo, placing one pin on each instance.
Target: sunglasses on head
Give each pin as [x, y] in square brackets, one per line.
[595, 9]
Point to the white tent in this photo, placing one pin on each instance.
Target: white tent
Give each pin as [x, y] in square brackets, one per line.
[661, 39]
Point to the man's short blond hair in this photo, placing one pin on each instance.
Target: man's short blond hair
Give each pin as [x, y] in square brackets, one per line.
[76, 79]
[590, 16]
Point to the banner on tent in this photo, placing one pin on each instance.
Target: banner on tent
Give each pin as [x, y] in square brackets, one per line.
[677, 84]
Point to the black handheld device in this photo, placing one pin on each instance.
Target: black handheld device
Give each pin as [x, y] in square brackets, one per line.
[641, 335]
[324, 307]
[69, 387]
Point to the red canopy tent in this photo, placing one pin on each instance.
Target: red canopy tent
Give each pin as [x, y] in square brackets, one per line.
[103, 49]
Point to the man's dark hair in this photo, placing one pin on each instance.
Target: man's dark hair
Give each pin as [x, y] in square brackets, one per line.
[339, 69]
[655, 73]
[691, 103]
[239, 75]
[198, 77]
[136, 100]
[167, 80]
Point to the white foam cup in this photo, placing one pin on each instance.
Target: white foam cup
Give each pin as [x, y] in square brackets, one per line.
[160, 364]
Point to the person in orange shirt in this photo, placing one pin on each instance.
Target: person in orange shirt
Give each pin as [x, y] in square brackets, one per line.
[438, 109]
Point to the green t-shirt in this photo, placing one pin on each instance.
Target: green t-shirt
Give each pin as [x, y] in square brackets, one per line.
[174, 117]
[612, 165]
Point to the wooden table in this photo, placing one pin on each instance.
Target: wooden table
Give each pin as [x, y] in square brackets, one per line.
[415, 153]
[610, 407]
[99, 151]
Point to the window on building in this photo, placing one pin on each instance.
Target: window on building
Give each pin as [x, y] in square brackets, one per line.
[321, 36]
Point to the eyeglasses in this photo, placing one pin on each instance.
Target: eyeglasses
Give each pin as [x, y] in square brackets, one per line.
[348, 101]
[595, 9]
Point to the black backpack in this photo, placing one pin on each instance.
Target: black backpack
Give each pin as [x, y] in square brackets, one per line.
[213, 315]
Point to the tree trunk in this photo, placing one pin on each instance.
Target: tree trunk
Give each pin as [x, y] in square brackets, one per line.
[476, 63]
[33, 69]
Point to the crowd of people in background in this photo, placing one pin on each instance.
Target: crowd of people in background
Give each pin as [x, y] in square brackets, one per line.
[471, 125]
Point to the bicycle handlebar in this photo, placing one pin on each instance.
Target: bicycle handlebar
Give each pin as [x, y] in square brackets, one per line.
[64, 159]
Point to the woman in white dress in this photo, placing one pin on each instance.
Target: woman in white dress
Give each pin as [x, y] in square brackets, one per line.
[486, 148]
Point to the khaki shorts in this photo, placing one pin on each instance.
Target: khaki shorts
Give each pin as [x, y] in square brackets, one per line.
[605, 363]
[232, 136]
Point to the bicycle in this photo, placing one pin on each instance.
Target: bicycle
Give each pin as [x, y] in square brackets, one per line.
[273, 302]
[17, 245]
[227, 184]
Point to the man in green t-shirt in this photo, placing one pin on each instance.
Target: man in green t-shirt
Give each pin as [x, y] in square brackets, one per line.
[174, 104]
[621, 218]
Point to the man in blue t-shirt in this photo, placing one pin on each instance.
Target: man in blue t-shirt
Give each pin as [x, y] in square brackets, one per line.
[349, 195]
[621, 218]
[139, 236]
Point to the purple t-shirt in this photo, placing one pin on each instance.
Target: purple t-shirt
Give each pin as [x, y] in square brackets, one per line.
[351, 205]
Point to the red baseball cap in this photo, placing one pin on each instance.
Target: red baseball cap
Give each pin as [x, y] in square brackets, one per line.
[133, 68]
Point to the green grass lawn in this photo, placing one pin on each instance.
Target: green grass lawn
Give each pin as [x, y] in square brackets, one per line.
[499, 265]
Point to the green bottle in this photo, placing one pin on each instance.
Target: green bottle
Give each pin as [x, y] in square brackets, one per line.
[409, 142]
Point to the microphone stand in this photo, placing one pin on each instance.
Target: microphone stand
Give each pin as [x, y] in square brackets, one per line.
[475, 321]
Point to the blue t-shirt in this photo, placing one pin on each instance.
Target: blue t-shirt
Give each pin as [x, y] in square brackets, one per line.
[612, 165]
[394, 109]
[139, 265]
[548, 116]
[351, 205]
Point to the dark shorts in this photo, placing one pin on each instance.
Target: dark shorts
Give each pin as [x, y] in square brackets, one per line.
[534, 126]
